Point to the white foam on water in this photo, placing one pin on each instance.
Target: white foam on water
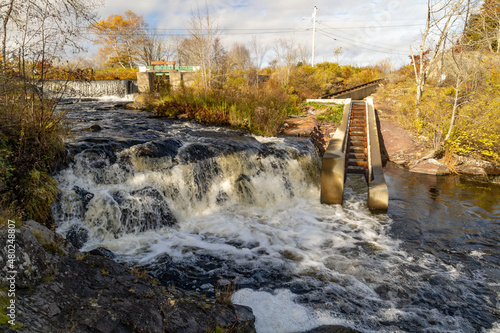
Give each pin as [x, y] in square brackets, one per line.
[115, 98]
[494, 329]
[278, 313]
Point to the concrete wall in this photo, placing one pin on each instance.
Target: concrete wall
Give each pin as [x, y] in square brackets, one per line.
[333, 163]
[188, 78]
[378, 193]
[360, 93]
[145, 80]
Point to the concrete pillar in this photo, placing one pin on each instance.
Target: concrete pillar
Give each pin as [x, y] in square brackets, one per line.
[332, 177]
[188, 78]
[175, 78]
[145, 82]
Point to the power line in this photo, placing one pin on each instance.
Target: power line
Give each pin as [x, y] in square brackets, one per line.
[377, 26]
[386, 45]
[356, 44]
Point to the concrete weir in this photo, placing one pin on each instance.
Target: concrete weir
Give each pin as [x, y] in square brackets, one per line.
[354, 148]
[86, 89]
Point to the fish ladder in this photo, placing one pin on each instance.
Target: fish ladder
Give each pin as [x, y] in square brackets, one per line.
[355, 149]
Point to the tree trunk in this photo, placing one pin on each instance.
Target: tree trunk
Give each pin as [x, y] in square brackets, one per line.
[453, 115]
[4, 37]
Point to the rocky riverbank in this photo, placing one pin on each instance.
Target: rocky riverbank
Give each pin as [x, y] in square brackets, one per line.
[59, 289]
[401, 147]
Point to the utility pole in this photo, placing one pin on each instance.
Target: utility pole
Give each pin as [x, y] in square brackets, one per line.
[314, 33]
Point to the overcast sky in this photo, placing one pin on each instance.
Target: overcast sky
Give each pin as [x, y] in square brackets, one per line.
[367, 31]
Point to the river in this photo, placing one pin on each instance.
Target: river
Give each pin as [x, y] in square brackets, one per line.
[207, 208]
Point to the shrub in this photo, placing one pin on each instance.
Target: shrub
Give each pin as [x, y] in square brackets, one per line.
[262, 110]
[330, 113]
[31, 145]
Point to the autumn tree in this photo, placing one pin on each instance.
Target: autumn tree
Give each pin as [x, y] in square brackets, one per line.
[7, 7]
[483, 27]
[39, 29]
[123, 39]
[238, 57]
[442, 16]
[258, 52]
[203, 47]
[286, 56]
[155, 47]
[303, 54]
[35, 35]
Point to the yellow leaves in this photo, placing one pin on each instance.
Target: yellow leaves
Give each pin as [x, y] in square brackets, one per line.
[119, 23]
[120, 36]
[449, 91]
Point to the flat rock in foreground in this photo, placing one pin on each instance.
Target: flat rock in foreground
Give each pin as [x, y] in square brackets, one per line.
[74, 292]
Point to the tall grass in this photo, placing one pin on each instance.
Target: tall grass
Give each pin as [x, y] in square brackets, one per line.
[262, 110]
[31, 145]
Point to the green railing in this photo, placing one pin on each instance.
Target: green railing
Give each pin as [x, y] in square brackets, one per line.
[170, 68]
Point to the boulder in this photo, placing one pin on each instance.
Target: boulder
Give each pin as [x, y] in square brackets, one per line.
[31, 263]
[77, 236]
[430, 167]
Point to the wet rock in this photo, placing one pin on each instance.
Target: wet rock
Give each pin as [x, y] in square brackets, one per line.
[94, 128]
[31, 262]
[471, 170]
[104, 252]
[77, 236]
[196, 152]
[333, 329]
[98, 157]
[431, 167]
[142, 210]
[157, 149]
[221, 197]
[84, 195]
[481, 170]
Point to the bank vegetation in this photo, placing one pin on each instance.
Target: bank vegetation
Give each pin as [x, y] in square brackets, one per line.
[449, 94]
[34, 33]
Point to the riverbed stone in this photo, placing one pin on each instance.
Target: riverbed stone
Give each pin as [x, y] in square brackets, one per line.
[102, 251]
[77, 236]
[94, 128]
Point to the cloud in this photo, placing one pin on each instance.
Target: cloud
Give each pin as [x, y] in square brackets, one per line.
[367, 31]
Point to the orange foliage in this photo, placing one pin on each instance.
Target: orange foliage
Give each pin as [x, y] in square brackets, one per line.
[120, 37]
[415, 60]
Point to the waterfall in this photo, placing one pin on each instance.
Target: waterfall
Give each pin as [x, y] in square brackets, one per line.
[152, 185]
[97, 88]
